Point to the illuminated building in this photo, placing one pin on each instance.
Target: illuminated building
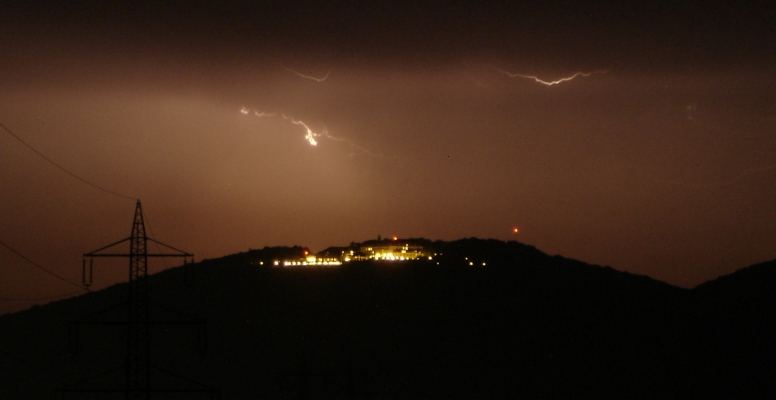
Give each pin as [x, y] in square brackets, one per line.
[383, 250]
[391, 251]
[312, 261]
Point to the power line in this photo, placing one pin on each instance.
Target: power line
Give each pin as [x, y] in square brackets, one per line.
[40, 267]
[35, 299]
[63, 169]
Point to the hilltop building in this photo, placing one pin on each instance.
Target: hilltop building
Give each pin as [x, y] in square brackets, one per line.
[391, 251]
[380, 250]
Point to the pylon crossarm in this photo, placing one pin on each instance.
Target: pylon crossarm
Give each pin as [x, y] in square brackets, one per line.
[202, 386]
[99, 312]
[149, 255]
[91, 378]
[93, 253]
[150, 323]
[182, 253]
[155, 391]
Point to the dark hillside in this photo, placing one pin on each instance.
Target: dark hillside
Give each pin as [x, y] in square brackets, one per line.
[527, 325]
[734, 326]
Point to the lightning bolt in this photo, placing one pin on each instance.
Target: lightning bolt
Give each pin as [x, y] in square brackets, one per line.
[312, 136]
[260, 114]
[551, 83]
[309, 77]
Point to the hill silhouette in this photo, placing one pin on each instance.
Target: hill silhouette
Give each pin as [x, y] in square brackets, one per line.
[526, 325]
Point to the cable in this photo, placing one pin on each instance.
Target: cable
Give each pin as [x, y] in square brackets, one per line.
[61, 168]
[148, 227]
[35, 299]
[42, 268]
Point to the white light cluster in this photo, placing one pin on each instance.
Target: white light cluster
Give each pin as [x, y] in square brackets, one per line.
[292, 263]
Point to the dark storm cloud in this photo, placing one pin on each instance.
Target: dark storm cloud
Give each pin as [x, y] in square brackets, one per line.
[621, 34]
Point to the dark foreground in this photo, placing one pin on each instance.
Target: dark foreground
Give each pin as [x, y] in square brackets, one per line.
[526, 326]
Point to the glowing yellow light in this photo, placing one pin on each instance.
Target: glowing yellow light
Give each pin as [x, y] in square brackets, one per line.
[471, 263]
[276, 262]
[395, 238]
[515, 230]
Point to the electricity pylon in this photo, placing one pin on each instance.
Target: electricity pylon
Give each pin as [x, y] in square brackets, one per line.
[138, 358]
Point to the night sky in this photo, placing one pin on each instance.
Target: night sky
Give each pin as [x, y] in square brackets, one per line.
[659, 159]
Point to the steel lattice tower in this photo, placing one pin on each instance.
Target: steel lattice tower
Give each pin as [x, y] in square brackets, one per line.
[138, 335]
[138, 358]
